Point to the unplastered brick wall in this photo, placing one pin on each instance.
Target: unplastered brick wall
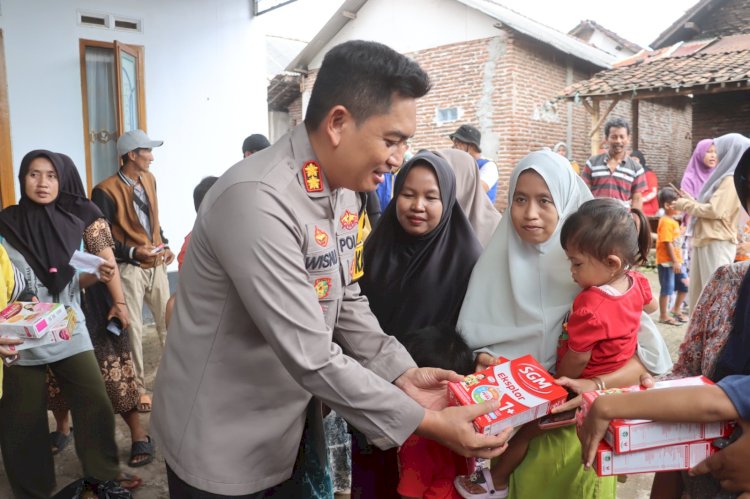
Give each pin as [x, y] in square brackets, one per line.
[729, 17]
[715, 115]
[665, 136]
[505, 85]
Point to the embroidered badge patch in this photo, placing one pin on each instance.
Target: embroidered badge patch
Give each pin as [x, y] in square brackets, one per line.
[349, 220]
[322, 287]
[321, 237]
[311, 174]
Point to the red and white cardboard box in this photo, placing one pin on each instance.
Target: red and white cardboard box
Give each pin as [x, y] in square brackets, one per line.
[628, 435]
[669, 458]
[63, 331]
[30, 319]
[526, 391]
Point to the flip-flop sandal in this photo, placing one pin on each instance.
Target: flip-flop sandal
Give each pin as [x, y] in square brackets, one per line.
[669, 322]
[128, 481]
[482, 478]
[144, 406]
[141, 448]
[59, 440]
[679, 318]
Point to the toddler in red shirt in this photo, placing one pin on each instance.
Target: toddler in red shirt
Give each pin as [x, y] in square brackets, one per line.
[603, 240]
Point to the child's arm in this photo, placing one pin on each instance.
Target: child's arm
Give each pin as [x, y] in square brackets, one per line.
[651, 306]
[694, 403]
[676, 266]
[573, 363]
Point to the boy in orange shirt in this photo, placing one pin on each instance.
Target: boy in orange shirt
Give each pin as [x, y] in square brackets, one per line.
[669, 260]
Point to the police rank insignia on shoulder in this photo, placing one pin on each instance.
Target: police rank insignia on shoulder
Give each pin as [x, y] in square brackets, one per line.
[311, 174]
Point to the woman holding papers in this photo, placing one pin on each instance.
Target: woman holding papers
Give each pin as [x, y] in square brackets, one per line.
[41, 234]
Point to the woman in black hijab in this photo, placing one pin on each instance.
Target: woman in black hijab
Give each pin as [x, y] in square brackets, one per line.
[100, 303]
[41, 234]
[417, 265]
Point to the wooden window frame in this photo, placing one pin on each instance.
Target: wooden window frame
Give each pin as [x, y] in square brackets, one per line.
[136, 51]
[7, 179]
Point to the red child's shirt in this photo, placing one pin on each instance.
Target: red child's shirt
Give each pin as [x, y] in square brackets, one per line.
[606, 325]
[427, 469]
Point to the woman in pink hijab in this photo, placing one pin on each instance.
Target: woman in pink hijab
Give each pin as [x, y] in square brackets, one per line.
[700, 167]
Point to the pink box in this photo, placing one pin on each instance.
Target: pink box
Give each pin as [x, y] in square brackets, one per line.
[628, 435]
[669, 458]
[63, 331]
[30, 319]
[526, 391]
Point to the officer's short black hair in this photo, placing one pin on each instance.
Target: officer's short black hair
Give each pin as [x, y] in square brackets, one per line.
[201, 189]
[363, 76]
[616, 123]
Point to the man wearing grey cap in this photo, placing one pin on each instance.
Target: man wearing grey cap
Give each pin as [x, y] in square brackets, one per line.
[468, 139]
[128, 200]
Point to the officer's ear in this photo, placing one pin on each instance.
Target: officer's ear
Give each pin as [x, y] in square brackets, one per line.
[336, 123]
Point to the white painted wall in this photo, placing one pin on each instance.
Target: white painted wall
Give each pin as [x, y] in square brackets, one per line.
[607, 44]
[411, 25]
[205, 85]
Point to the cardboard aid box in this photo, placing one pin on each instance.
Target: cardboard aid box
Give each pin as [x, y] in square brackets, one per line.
[63, 331]
[668, 458]
[30, 319]
[526, 392]
[628, 435]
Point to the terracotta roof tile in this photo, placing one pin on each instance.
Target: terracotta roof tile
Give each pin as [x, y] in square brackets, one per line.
[685, 67]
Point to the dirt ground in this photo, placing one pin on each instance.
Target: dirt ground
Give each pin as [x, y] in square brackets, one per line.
[154, 475]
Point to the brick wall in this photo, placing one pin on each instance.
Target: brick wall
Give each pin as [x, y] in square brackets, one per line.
[507, 85]
[726, 18]
[715, 115]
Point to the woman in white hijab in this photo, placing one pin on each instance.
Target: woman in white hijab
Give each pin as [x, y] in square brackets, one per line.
[715, 215]
[470, 194]
[519, 295]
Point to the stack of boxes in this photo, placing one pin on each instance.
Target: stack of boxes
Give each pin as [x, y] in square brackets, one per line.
[37, 324]
[643, 446]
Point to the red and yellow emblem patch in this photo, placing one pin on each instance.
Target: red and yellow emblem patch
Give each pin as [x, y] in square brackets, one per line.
[322, 287]
[321, 237]
[311, 175]
[349, 220]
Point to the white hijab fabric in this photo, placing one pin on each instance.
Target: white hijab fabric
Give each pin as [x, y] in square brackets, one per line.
[520, 293]
[477, 207]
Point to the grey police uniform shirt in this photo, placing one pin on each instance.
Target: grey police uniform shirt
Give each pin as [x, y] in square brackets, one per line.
[265, 289]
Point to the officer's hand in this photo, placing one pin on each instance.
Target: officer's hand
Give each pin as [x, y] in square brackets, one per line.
[453, 427]
[729, 466]
[427, 385]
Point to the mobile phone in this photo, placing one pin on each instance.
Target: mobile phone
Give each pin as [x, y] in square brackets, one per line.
[557, 420]
[157, 250]
[114, 326]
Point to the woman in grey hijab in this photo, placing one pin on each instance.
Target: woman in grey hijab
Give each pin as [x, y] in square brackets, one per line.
[470, 194]
[715, 214]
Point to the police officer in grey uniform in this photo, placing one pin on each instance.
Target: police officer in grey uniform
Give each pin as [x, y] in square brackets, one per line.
[269, 314]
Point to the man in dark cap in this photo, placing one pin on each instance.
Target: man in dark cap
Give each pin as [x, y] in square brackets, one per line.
[254, 143]
[468, 139]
